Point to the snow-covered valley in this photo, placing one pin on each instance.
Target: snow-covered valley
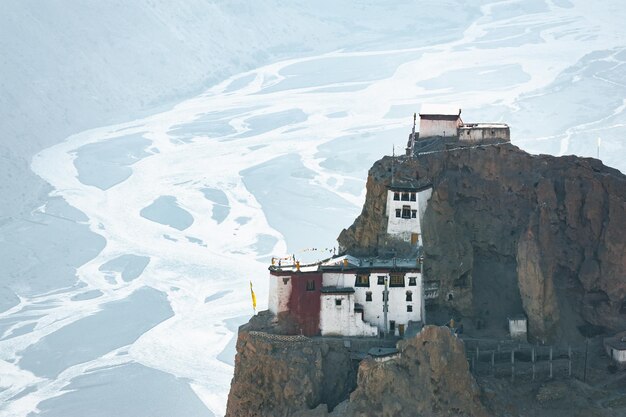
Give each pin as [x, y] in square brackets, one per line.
[168, 217]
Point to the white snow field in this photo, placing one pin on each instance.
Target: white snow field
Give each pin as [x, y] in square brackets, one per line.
[167, 218]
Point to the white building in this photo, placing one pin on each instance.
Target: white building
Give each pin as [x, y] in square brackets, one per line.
[479, 132]
[518, 327]
[616, 348]
[445, 122]
[365, 283]
[405, 212]
[347, 296]
[439, 120]
[340, 315]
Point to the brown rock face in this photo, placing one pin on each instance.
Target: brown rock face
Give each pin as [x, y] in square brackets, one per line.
[279, 375]
[430, 378]
[506, 232]
[298, 376]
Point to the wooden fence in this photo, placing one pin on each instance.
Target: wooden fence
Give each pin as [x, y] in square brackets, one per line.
[514, 360]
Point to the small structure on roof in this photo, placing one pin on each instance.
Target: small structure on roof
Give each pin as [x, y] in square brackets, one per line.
[616, 348]
[443, 123]
[518, 327]
[439, 120]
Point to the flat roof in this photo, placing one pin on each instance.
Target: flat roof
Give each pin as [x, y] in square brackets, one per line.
[337, 290]
[414, 188]
[337, 263]
[484, 125]
[381, 352]
[439, 110]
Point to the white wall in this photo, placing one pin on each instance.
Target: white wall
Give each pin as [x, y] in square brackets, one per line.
[405, 227]
[477, 134]
[422, 199]
[619, 355]
[279, 293]
[445, 128]
[373, 310]
[341, 319]
[338, 279]
[518, 329]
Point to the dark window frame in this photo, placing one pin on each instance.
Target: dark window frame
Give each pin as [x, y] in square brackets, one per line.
[413, 197]
[338, 302]
[409, 296]
[362, 280]
[395, 278]
[406, 212]
[396, 196]
[381, 280]
[406, 197]
[368, 296]
[398, 212]
[310, 285]
[409, 308]
[412, 281]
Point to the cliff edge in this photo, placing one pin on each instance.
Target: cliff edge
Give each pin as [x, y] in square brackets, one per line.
[280, 375]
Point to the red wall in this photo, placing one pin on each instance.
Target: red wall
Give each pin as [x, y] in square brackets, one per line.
[305, 305]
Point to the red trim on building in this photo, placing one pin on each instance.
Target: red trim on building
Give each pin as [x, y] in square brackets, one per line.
[305, 304]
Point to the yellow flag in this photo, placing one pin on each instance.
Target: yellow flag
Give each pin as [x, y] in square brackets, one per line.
[253, 297]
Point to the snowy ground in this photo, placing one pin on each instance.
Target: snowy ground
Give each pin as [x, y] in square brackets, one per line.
[172, 215]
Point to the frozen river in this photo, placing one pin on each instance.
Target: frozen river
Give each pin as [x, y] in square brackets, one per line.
[172, 215]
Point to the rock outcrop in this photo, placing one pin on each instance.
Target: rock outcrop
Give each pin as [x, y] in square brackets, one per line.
[506, 232]
[279, 375]
[430, 378]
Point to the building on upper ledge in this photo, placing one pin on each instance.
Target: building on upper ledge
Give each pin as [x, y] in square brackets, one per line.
[348, 296]
[405, 211]
[441, 127]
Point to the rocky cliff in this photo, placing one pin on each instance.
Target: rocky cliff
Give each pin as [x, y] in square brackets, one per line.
[277, 375]
[506, 232]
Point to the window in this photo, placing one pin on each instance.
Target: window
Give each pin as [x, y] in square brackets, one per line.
[406, 212]
[398, 212]
[368, 296]
[405, 196]
[310, 285]
[409, 308]
[409, 296]
[337, 301]
[413, 197]
[396, 196]
[412, 281]
[362, 280]
[381, 280]
[413, 214]
[397, 280]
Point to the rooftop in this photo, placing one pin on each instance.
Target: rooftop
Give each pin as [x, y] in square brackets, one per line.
[337, 290]
[484, 125]
[407, 186]
[349, 262]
